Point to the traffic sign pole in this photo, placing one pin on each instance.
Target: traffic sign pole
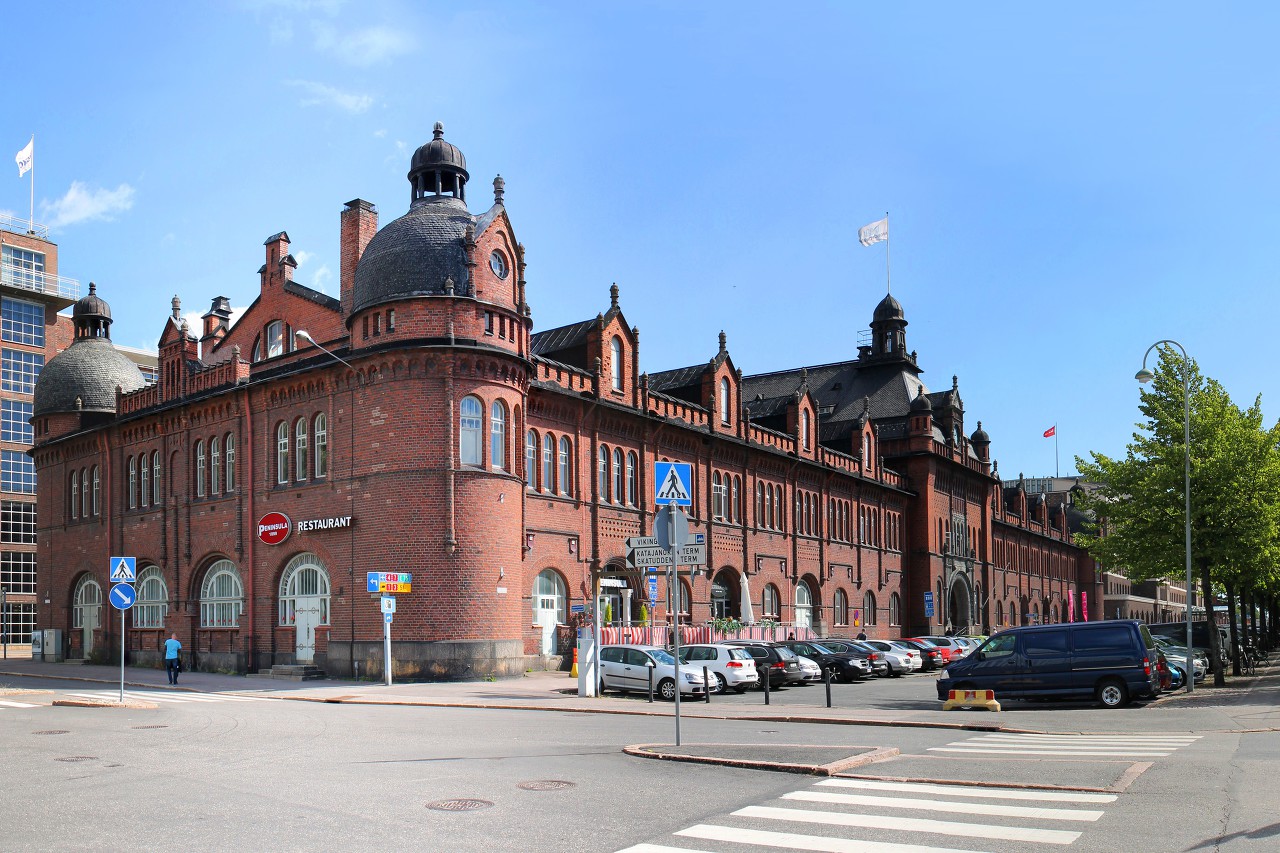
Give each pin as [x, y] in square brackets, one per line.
[122, 657]
[675, 622]
[386, 649]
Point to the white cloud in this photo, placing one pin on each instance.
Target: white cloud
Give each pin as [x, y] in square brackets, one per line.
[321, 277]
[318, 94]
[302, 256]
[380, 134]
[363, 47]
[82, 204]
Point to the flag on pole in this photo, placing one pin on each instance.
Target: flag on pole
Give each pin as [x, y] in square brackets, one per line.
[25, 157]
[1051, 431]
[874, 233]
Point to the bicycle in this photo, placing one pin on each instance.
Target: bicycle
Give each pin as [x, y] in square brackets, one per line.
[1248, 660]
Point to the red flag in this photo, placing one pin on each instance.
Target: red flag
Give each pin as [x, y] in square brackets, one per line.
[1051, 431]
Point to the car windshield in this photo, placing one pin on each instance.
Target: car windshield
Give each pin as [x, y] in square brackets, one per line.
[739, 654]
[661, 656]
[822, 650]
[785, 653]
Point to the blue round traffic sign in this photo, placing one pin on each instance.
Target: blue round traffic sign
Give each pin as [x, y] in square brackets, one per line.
[122, 596]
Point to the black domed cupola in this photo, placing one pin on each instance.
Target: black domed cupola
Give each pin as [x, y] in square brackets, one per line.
[438, 168]
[91, 316]
[889, 328]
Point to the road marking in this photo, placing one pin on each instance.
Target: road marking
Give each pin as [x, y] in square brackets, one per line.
[1097, 741]
[916, 804]
[9, 704]
[796, 841]
[659, 848]
[1111, 754]
[177, 697]
[971, 791]
[912, 824]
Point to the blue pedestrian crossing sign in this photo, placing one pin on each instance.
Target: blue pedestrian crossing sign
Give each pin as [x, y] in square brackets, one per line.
[122, 596]
[653, 589]
[673, 482]
[124, 569]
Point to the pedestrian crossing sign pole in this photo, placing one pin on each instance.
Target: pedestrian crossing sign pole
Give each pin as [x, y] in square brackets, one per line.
[674, 487]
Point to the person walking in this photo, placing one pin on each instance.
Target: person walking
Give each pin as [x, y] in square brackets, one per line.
[862, 635]
[171, 664]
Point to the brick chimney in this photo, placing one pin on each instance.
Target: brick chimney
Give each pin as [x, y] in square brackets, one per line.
[216, 321]
[359, 223]
[278, 258]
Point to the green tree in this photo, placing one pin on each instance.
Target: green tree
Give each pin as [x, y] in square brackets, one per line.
[1235, 490]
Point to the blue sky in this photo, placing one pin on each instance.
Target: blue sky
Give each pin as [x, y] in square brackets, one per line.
[1066, 186]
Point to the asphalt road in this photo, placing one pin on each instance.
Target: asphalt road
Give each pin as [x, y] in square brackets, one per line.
[239, 771]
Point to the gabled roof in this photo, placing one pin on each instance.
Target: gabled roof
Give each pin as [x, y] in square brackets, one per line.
[310, 295]
[562, 338]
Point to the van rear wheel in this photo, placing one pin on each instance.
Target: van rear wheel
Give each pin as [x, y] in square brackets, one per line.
[1112, 693]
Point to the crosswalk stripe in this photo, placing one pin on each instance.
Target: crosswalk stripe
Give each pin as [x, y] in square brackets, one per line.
[912, 824]
[659, 848]
[916, 804]
[1132, 736]
[971, 791]
[1111, 754]
[1088, 740]
[796, 841]
[160, 696]
[9, 704]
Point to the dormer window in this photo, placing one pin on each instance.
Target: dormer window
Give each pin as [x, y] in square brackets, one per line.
[615, 363]
[275, 339]
[724, 400]
[804, 428]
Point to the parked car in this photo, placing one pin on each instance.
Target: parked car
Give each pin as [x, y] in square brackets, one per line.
[944, 649]
[879, 666]
[843, 665]
[812, 671]
[1177, 655]
[1113, 661]
[1177, 632]
[899, 658]
[779, 662]
[626, 667]
[930, 655]
[954, 646]
[854, 652]
[730, 667]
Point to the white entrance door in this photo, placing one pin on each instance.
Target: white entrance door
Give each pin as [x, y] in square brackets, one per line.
[88, 621]
[545, 616]
[306, 618]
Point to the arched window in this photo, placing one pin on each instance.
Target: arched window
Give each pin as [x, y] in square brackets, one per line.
[804, 605]
[87, 603]
[777, 501]
[769, 603]
[631, 478]
[724, 400]
[75, 494]
[305, 580]
[282, 453]
[840, 607]
[869, 608]
[566, 465]
[718, 499]
[215, 465]
[804, 428]
[684, 606]
[470, 416]
[531, 459]
[133, 482]
[96, 483]
[300, 449]
[275, 338]
[770, 522]
[760, 516]
[619, 477]
[603, 473]
[735, 509]
[895, 609]
[615, 363]
[498, 435]
[222, 593]
[999, 613]
[153, 599]
[144, 478]
[229, 443]
[155, 479]
[548, 463]
[201, 463]
[320, 428]
[549, 594]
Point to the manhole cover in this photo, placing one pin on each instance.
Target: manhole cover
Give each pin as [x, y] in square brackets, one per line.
[150, 727]
[52, 732]
[546, 785]
[467, 805]
[72, 759]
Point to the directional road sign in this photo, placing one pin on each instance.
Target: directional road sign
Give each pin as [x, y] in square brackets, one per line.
[389, 582]
[674, 483]
[653, 589]
[122, 596]
[123, 569]
[386, 617]
[577, 608]
[689, 555]
[928, 604]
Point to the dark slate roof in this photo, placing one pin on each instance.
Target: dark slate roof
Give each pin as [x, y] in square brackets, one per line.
[90, 369]
[484, 220]
[668, 381]
[311, 295]
[413, 255]
[561, 338]
[841, 387]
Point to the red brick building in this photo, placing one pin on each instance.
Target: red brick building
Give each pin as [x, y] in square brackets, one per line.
[421, 425]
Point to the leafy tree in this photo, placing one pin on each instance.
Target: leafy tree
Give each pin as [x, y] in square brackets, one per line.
[1235, 491]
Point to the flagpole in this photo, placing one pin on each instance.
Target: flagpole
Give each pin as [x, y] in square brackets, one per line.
[888, 281]
[32, 212]
[1055, 451]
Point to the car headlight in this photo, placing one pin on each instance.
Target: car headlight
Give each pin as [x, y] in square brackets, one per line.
[692, 679]
[944, 674]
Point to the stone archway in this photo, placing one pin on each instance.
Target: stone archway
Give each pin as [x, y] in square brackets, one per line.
[726, 595]
[959, 604]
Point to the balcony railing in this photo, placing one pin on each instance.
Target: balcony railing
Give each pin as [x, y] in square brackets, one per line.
[25, 278]
[18, 225]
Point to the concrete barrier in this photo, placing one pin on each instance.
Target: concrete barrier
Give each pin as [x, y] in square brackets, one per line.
[967, 699]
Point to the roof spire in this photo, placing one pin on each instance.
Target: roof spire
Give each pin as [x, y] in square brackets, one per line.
[499, 189]
[613, 295]
[723, 341]
[437, 132]
[177, 305]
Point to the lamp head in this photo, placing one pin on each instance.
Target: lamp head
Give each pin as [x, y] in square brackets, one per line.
[1144, 376]
[304, 335]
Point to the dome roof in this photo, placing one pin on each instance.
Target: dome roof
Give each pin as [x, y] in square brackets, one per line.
[91, 305]
[980, 435]
[921, 402]
[415, 254]
[438, 154]
[889, 309]
[90, 369]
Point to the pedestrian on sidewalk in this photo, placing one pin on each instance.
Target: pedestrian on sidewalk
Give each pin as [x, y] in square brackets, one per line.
[862, 635]
[171, 662]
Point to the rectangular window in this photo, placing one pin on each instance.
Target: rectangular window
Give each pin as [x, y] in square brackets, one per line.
[17, 523]
[488, 322]
[391, 319]
[15, 421]
[22, 322]
[17, 473]
[20, 619]
[275, 339]
[719, 500]
[18, 572]
[22, 268]
[19, 370]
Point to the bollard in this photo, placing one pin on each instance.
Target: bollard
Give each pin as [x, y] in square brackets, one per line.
[650, 684]
[826, 676]
[766, 685]
[706, 685]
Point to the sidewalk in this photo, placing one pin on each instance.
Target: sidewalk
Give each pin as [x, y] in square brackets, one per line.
[1247, 704]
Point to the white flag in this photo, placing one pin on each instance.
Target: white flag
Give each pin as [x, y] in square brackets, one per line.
[874, 233]
[25, 157]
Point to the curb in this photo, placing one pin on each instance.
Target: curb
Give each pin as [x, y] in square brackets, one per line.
[89, 680]
[105, 703]
[647, 750]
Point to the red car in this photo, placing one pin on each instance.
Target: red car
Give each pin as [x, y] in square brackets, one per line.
[930, 655]
[944, 652]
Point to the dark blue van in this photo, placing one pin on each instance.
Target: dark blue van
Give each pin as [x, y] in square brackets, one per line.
[1113, 661]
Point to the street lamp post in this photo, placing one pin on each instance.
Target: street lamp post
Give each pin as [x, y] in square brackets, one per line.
[1144, 376]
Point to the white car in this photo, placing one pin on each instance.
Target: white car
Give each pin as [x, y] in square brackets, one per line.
[810, 668]
[627, 668]
[901, 658]
[729, 667]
